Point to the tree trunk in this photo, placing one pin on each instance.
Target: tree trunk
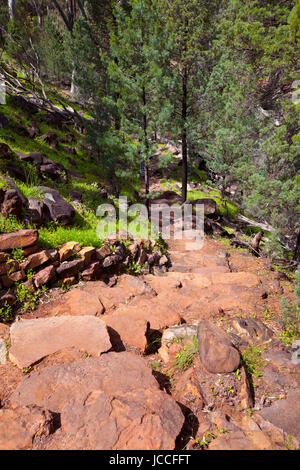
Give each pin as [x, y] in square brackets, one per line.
[145, 124]
[11, 8]
[297, 249]
[184, 136]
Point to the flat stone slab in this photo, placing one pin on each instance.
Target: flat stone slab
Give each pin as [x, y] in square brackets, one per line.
[285, 414]
[31, 340]
[111, 402]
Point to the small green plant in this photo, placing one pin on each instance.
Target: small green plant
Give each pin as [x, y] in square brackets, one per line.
[156, 365]
[253, 361]
[6, 313]
[237, 373]
[289, 442]
[26, 297]
[26, 370]
[230, 389]
[207, 438]
[177, 339]
[268, 314]
[185, 357]
[29, 273]
[289, 317]
[134, 268]
[17, 254]
[66, 286]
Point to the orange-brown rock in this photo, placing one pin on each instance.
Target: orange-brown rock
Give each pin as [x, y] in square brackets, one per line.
[44, 276]
[111, 402]
[30, 338]
[215, 349]
[68, 250]
[36, 259]
[20, 239]
[19, 427]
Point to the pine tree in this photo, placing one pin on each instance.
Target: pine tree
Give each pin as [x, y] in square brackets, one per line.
[189, 23]
[137, 51]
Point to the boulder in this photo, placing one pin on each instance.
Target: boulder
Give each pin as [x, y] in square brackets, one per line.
[51, 139]
[111, 402]
[177, 333]
[36, 259]
[44, 276]
[92, 272]
[30, 338]
[285, 414]
[56, 208]
[103, 252]
[87, 253]
[215, 349]
[76, 196]
[210, 205]
[68, 250]
[5, 151]
[19, 427]
[252, 328]
[35, 158]
[4, 121]
[12, 204]
[70, 268]
[36, 210]
[20, 239]
[12, 185]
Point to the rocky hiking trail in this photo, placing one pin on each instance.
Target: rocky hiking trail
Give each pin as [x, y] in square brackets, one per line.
[116, 365]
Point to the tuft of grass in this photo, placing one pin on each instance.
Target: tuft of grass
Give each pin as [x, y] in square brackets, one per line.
[252, 361]
[186, 356]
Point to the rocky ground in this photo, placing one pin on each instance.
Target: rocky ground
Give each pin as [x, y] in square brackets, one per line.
[188, 359]
[186, 355]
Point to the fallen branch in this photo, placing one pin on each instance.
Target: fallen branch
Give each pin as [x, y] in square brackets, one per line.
[242, 244]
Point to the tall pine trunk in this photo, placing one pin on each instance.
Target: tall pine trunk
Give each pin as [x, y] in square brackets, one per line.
[11, 8]
[184, 136]
[145, 125]
[297, 249]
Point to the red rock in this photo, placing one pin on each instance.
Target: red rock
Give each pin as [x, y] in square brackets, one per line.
[30, 250]
[20, 427]
[103, 252]
[92, 272]
[8, 267]
[87, 253]
[30, 338]
[4, 257]
[111, 402]
[232, 441]
[20, 239]
[35, 260]
[70, 268]
[68, 250]
[44, 276]
[285, 414]
[8, 281]
[12, 203]
[215, 349]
